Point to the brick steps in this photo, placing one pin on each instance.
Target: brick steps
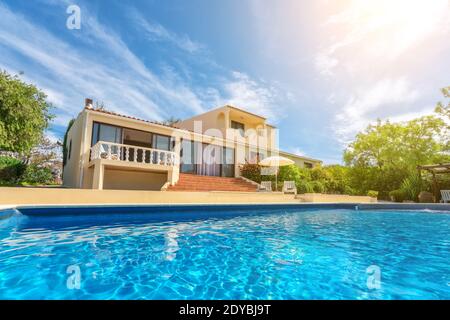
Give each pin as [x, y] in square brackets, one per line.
[191, 182]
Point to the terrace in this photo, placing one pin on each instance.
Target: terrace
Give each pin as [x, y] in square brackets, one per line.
[118, 156]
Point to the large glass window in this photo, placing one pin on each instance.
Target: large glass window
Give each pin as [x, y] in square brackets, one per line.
[137, 138]
[131, 137]
[106, 132]
[187, 156]
[204, 159]
[238, 126]
[228, 162]
[161, 142]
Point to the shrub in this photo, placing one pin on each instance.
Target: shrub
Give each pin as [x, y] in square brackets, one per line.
[35, 174]
[318, 186]
[411, 187]
[335, 179]
[252, 172]
[350, 191]
[293, 173]
[384, 195]
[304, 187]
[372, 193]
[397, 195]
[11, 169]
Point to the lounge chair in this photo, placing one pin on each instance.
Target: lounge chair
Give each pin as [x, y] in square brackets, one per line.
[445, 196]
[114, 152]
[289, 187]
[265, 186]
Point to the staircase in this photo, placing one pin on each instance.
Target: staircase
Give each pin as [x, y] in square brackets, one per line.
[192, 182]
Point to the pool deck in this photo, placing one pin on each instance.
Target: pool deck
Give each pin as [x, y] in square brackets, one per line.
[61, 197]
[44, 196]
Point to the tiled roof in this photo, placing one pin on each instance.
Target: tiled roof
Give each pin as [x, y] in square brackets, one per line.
[128, 117]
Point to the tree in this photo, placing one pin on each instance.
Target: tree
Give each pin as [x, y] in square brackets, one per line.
[443, 110]
[386, 153]
[64, 146]
[24, 114]
[170, 121]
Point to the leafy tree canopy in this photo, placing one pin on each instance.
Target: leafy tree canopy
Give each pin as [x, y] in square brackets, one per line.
[383, 155]
[24, 114]
[403, 145]
[443, 110]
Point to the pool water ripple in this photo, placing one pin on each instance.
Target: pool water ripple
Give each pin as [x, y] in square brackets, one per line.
[295, 254]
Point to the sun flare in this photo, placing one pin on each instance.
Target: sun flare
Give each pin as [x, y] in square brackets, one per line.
[391, 27]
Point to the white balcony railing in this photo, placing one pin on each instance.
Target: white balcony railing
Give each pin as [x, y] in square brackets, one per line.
[129, 153]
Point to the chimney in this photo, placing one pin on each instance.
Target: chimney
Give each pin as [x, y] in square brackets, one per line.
[88, 103]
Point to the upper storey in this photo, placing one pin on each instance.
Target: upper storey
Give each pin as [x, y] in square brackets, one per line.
[233, 123]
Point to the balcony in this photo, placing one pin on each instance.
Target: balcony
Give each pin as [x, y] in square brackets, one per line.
[108, 159]
[132, 154]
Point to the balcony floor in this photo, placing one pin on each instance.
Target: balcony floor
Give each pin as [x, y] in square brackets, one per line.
[129, 165]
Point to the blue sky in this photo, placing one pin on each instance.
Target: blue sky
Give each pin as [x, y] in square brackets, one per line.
[319, 70]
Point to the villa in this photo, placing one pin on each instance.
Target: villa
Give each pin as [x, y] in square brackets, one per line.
[106, 150]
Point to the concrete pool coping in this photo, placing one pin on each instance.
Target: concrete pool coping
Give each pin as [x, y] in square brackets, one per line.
[65, 196]
[169, 207]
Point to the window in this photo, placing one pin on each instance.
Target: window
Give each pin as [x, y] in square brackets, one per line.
[261, 132]
[206, 159]
[187, 156]
[238, 126]
[228, 163]
[255, 157]
[107, 133]
[70, 148]
[162, 142]
[308, 165]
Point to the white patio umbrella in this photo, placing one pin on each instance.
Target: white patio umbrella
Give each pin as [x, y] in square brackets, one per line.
[276, 161]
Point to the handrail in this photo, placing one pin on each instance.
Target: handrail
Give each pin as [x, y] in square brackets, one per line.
[130, 153]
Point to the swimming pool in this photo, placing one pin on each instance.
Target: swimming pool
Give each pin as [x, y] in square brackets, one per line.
[243, 252]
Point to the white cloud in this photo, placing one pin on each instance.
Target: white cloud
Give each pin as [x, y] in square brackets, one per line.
[325, 63]
[104, 68]
[114, 75]
[52, 137]
[297, 151]
[412, 115]
[372, 30]
[372, 53]
[156, 32]
[256, 97]
[387, 97]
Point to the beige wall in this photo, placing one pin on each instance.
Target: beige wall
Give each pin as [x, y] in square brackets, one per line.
[133, 180]
[300, 161]
[217, 123]
[208, 120]
[93, 116]
[62, 196]
[71, 171]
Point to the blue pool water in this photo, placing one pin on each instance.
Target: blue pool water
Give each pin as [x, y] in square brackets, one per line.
[242, 254]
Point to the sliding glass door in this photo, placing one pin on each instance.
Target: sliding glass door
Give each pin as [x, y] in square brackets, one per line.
[228, 162]
[212, 159]
[106, 132]
[187, 156]
[131, 137]
[206, 159]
